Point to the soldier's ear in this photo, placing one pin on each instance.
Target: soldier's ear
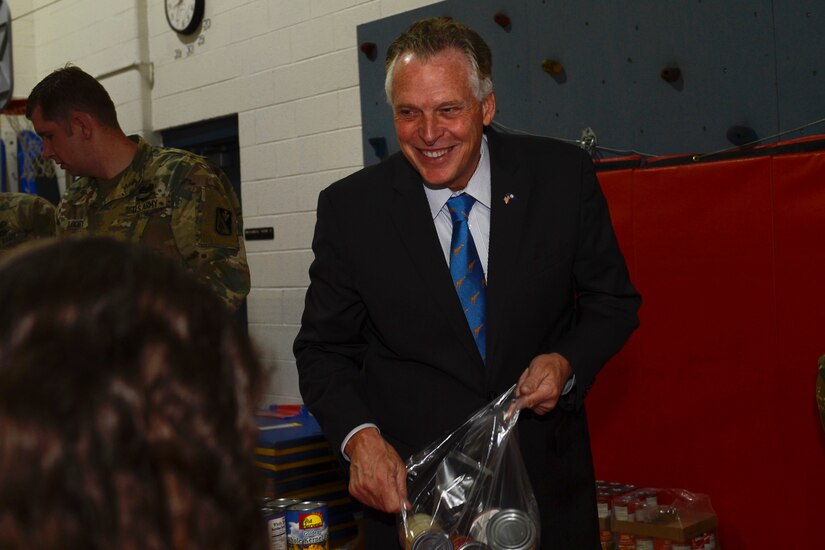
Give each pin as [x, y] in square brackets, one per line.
[82, 122]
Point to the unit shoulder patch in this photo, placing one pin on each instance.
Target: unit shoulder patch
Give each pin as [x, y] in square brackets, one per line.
[223, 221]
[218, 224]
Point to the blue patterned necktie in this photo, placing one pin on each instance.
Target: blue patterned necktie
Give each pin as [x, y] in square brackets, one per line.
[466, 270]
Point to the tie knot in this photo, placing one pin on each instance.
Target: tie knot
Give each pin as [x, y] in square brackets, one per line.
[460, 206]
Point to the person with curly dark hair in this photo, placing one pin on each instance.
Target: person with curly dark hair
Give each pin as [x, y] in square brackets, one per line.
[127, 399]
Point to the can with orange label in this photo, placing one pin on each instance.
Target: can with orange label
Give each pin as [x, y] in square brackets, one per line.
[626, 542]
[307, 527]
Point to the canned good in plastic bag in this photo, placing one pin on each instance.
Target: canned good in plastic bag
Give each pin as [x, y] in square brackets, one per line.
[416, 524]
[459, 540]
[473, 545]
[478, 528]
[511, 530]
[432, 539]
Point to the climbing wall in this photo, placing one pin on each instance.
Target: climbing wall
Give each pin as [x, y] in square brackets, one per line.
[655, 76]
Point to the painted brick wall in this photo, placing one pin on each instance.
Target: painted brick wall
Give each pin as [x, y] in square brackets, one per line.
[289, 68]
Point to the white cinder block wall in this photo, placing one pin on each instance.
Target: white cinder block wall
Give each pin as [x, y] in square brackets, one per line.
[289, 68]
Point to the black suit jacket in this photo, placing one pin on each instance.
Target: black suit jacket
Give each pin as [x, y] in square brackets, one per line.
[384, 338]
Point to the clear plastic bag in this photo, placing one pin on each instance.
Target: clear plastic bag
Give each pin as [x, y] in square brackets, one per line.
[470, 490]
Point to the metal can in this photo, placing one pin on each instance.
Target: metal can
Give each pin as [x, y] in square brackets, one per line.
[459, 540]
[274, 511]
[307, 527]
[626, 541]
[282, 501]
[624, 508]
[473, 545]
[416, 524]
[478, 527]
[648, 505]
[511, 529]
[263, 501]
[604, 503]
[432, 539]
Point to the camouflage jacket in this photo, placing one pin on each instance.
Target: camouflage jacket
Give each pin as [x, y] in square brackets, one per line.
[173, 201]
[24, 217]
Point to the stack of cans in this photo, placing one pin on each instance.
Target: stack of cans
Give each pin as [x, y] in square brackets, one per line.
[295, 525]
[274, 513]
[492, 529]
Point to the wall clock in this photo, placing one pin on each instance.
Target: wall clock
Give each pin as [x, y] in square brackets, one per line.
[184, 16]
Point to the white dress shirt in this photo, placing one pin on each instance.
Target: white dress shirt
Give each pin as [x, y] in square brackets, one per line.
[479, 219]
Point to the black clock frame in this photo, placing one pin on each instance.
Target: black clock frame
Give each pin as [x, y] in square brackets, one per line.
[197, 18]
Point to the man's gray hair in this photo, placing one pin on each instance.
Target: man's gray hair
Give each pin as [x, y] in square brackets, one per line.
[428, 37]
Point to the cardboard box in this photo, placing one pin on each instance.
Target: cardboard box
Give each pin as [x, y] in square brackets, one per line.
[681, 527]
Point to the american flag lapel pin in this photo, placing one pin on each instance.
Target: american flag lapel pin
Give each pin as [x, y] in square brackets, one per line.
[508, 197]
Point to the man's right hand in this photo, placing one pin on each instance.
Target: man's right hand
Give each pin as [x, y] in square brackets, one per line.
[378, 477]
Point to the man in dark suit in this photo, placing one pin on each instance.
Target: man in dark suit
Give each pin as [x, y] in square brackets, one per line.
[387, 359]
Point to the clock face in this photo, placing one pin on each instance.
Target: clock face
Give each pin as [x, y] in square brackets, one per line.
[184, 16]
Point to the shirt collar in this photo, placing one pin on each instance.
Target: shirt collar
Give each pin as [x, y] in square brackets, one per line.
[478, 186]
[125, 182]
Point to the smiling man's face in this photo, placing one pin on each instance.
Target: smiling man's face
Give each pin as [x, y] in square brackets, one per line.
[438, 120]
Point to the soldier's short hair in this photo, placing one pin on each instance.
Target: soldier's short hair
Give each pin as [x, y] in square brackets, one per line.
[127, 399]
[428, 37]
[72, 89]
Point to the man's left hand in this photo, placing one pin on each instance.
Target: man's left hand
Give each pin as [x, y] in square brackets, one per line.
[540, 386]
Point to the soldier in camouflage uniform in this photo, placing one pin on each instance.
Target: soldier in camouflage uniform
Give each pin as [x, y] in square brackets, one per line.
[24, 217]
[171, 200]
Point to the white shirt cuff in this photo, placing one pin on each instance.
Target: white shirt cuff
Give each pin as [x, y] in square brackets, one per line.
[567, 385]
[352, 433]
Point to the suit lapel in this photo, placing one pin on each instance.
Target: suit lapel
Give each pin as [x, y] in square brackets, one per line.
[414, 223]
[510, 193]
